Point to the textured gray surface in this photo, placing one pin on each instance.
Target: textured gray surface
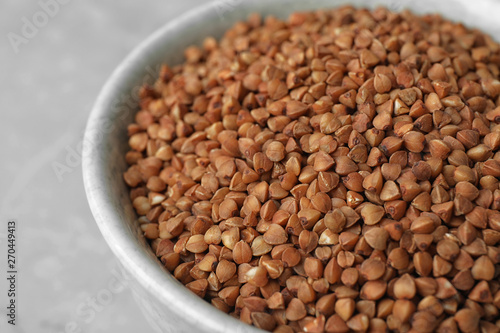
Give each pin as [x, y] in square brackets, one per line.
[46, 93]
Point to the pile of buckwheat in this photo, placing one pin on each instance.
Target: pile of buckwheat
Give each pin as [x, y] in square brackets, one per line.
[334, 172]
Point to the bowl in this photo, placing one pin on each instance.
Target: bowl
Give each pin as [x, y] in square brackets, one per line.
[169, 306]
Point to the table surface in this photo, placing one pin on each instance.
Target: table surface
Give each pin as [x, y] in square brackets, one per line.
[51, 74]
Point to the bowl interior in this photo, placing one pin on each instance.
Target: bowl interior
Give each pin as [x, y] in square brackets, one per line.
[106, 139]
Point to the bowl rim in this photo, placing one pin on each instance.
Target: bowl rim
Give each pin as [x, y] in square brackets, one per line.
[136, 263]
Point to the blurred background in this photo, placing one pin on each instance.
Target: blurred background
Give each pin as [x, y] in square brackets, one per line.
[56, 55]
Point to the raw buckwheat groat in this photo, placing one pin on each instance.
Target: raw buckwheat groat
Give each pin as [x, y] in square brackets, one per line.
[334, 172]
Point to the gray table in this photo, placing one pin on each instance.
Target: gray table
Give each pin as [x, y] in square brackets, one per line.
[50, 76]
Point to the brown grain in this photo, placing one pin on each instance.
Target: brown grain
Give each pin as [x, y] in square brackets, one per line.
[334, 172]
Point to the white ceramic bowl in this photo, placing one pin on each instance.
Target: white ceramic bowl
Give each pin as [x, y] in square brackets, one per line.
[169, 306]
